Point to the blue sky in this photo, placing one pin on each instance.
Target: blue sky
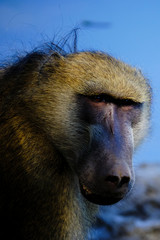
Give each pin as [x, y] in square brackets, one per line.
[132, 35]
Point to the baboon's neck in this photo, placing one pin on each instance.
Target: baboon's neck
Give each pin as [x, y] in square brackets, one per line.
[46, 201]
[70, 211]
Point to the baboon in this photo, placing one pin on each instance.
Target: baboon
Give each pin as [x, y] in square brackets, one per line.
[69, 123]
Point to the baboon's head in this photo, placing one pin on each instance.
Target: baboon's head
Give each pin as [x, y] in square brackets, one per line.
[96, 110]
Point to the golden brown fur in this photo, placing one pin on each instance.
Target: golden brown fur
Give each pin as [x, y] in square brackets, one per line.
[41, 136]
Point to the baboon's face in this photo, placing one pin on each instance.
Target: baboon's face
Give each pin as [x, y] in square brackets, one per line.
[105, 169]
[101, 115]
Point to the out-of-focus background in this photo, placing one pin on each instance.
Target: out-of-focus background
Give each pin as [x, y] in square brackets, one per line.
[128, 30]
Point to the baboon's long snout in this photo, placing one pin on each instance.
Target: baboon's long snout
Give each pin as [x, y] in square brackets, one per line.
[109, 186]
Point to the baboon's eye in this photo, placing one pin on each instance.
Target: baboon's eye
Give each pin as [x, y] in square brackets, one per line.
[128, 102]
[102, 98]
[98, 98]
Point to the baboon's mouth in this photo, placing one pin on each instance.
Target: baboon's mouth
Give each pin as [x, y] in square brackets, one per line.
[97, 198]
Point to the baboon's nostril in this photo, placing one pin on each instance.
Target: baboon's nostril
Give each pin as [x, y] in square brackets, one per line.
[113, 179]
[124, 180]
